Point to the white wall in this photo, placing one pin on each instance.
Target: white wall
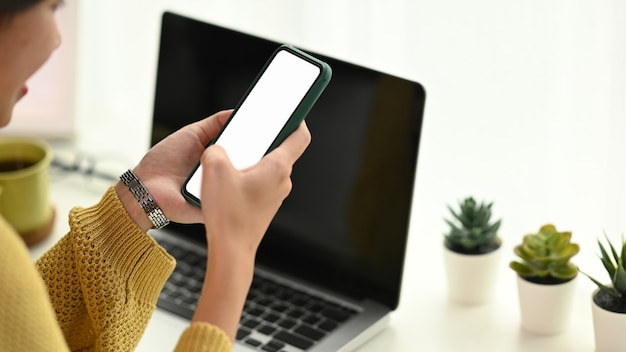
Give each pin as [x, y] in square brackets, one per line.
[526, 100]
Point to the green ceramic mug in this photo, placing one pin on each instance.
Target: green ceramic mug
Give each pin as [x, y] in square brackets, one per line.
[24, 187]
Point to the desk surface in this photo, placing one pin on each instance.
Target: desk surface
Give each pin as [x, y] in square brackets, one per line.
[426, 319]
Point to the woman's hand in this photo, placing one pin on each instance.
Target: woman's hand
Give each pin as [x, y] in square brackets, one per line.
[166, 166]
[238, 206]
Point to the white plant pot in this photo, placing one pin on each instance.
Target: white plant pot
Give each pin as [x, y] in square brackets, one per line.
[545, 309]
[471, 278]
[609, 328]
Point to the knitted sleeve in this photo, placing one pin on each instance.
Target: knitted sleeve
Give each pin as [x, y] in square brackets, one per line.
[203, 337]
[104, 278]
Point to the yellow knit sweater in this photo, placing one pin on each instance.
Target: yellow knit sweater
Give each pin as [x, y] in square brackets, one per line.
[99, 289]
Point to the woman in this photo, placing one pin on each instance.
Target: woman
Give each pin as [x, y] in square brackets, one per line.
[97, 287]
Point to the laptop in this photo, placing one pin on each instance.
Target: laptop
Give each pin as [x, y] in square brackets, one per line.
[329, 269]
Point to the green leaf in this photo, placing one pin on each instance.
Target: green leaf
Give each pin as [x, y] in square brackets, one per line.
[615, 256]
[462, 217]
[452, 226]
[533, 241]
[606, 260]
[619, 282]
[553, 240]
[521, 269]
[495, 226]
[610, 290]
[454, 214]
[547, 228]
[523, 253]
[564, 272]
[563, 256]
[563, 241]
[623, 251]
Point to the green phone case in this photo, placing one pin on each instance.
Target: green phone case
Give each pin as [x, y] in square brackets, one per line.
[296, 118]
[309, 99]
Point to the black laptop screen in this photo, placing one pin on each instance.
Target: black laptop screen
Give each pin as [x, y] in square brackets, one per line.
[345, 223]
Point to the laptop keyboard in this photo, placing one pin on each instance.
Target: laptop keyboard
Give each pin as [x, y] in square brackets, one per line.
[276, 317]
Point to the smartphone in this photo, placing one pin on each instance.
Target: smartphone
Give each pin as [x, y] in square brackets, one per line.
[274, 105]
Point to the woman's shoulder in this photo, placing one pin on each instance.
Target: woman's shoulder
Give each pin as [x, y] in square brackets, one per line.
[11, 244]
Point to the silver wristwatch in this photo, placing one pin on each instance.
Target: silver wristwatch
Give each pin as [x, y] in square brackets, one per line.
[147, 203]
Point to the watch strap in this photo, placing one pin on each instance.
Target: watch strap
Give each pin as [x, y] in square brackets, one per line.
[145, 199]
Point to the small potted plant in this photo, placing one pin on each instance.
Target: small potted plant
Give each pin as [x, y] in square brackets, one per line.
[546, 279]
[609, 301]
[471, 252]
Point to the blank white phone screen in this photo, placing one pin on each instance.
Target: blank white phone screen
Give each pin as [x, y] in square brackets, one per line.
[264, 112]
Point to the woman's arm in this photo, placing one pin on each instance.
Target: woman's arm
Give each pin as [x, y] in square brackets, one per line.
[104, 277]
[238, 206]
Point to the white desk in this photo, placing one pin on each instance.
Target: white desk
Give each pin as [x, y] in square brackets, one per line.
[425, 321]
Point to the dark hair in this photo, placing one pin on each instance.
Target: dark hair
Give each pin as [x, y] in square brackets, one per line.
[8, 8]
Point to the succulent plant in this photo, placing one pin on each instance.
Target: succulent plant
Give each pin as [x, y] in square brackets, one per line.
[473, 234]
[615, 294]
[546, 256]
